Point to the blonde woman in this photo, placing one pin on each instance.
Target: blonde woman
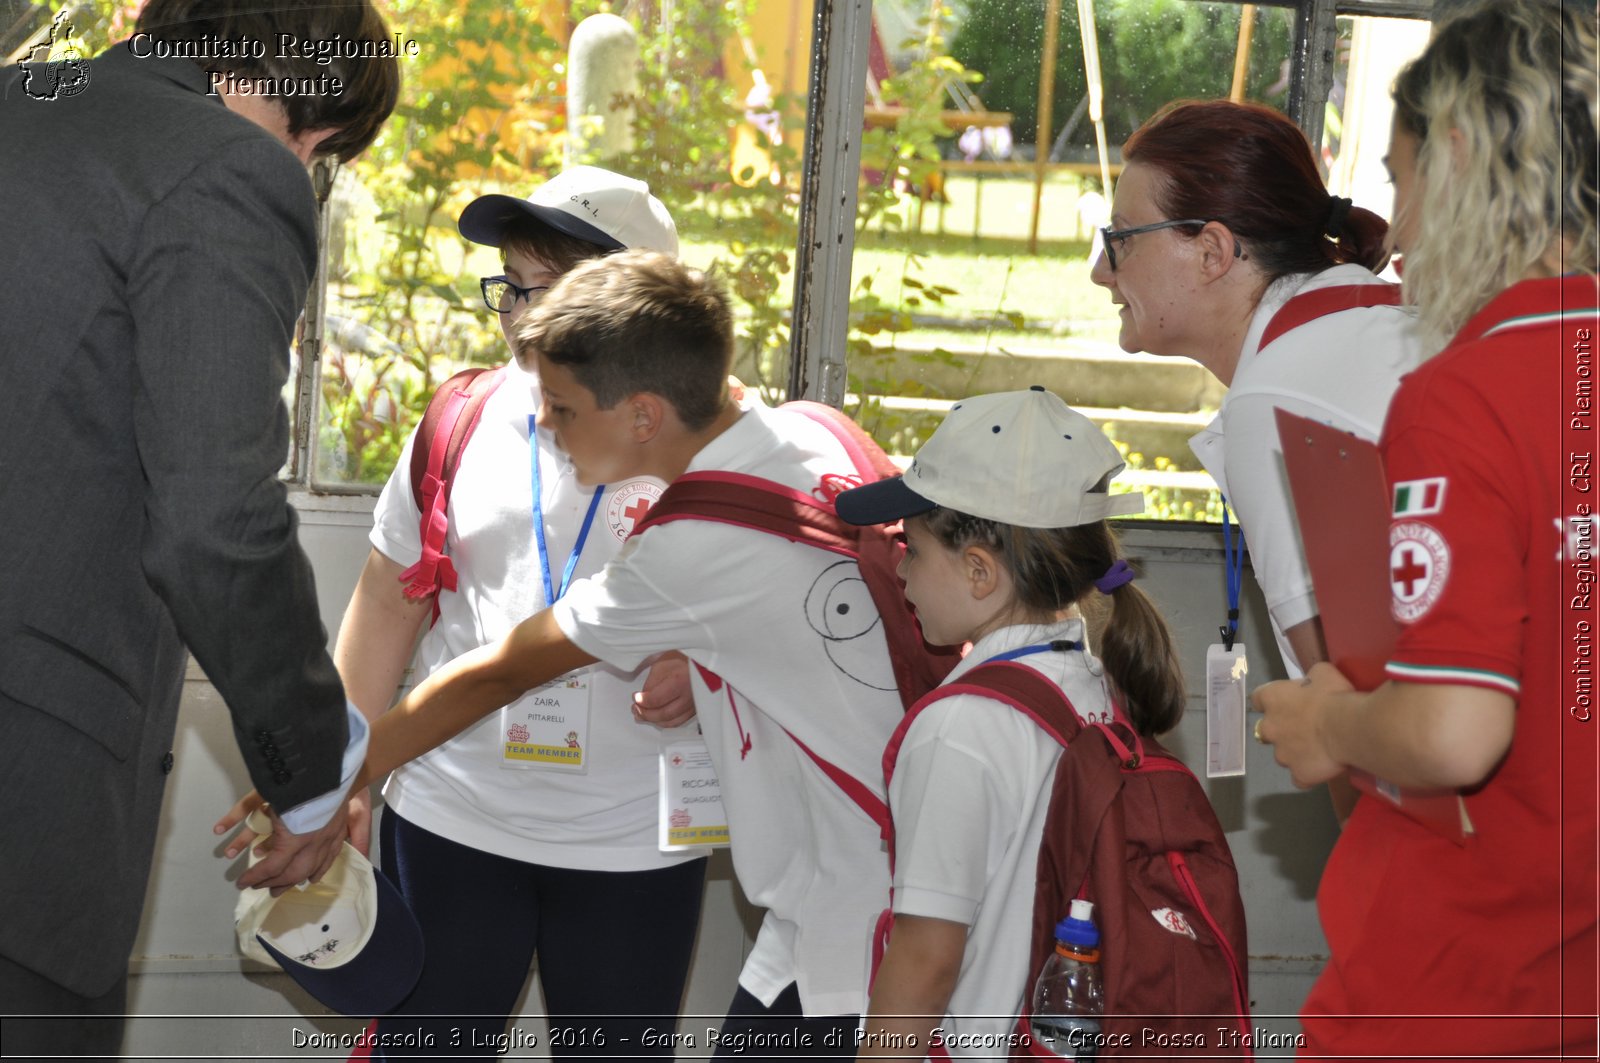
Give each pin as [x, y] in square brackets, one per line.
[1479, 948]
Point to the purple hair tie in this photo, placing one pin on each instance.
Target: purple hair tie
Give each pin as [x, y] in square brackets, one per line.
[1115, 576]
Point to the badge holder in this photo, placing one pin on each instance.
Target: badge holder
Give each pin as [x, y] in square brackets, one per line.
[690, 813]
[548, 728]
[1226, 672]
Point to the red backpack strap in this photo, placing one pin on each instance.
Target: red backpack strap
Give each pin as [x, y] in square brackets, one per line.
[1018, 686]
[1308, 306]
[869, 459]
[752, 502]
[452, 416]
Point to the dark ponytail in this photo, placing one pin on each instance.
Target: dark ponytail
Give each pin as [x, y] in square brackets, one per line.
[1053, 569]
[1142, 661]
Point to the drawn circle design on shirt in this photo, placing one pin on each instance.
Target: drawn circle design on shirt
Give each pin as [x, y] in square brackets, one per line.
[840, 609]
[629, 503]
[1419, 567]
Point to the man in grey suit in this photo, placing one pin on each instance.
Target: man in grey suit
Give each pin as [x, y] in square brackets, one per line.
[156, 245]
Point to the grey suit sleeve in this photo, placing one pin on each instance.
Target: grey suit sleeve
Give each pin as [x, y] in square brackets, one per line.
[219, 276]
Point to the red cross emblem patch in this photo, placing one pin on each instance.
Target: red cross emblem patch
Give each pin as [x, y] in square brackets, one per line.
[1419, 566]
[629, 503]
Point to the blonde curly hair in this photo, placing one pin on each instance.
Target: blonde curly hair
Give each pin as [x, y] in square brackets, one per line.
[1504, 105]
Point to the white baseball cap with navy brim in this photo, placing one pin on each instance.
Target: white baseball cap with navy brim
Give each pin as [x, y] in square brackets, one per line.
[1017, 457]
[350, 940]
[589, 203]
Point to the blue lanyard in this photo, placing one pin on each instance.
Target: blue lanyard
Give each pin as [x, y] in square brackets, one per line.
[1058, 646]
[1233, 566]
[551, 593]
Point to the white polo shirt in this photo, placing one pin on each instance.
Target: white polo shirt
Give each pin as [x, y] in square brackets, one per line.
[794, 642]
[604, 820]
[1340, 369]
[970, 794]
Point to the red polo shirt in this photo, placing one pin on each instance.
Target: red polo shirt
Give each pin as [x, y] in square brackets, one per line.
[1485, 447]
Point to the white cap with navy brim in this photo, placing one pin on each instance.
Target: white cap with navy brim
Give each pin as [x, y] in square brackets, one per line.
[349, 940]
[1017, 457]
[592, 204]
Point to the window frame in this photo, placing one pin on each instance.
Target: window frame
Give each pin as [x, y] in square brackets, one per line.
[825, 249]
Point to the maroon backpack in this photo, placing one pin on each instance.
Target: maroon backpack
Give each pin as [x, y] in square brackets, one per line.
[1129, 828]
[452, 416]
[753, 502]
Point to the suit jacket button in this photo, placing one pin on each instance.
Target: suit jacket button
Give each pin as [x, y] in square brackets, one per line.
[281, 778]
[262, 738]
[269, 749]
[166, 763]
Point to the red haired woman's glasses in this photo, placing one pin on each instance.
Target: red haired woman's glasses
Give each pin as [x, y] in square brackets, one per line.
[1108, 234]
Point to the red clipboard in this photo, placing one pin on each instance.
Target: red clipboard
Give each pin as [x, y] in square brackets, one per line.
[1341, 498]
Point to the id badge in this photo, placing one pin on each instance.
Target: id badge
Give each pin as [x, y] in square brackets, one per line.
[1226, 672]
[691, 815]
[547, 729]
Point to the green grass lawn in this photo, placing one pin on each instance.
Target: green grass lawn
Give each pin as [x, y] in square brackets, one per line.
[992, 273]
[996, 284]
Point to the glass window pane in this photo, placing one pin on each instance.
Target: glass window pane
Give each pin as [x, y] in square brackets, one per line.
[985, 185]
[984, 197]
[713, 124]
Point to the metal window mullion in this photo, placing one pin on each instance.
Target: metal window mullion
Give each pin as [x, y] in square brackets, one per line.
[301, 451]
[1312, 65]
[831, 167]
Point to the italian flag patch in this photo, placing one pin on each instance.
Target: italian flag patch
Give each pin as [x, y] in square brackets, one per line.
[1418, 498]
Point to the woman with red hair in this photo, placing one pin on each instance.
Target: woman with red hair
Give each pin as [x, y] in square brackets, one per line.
[1225, 247]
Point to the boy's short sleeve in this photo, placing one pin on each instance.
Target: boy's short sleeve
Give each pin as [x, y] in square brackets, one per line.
[653, 597]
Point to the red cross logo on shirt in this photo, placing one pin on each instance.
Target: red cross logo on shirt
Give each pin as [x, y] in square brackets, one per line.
[628, 506]
[1408, 573]
[635, 513]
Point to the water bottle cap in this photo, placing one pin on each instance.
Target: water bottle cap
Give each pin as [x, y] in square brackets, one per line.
[1078, 927]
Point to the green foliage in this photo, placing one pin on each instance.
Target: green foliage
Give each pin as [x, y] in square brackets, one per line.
[906, 155]
[901, 161]
[483, 109]
[1151, 52]
[482, 81]
[684, 121]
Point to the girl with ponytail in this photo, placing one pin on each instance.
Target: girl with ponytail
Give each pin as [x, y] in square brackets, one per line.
[1226, 247]
[1005, 513]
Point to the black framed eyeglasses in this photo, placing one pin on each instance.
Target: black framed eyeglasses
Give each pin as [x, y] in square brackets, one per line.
[1108, 234]
[500, 294]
